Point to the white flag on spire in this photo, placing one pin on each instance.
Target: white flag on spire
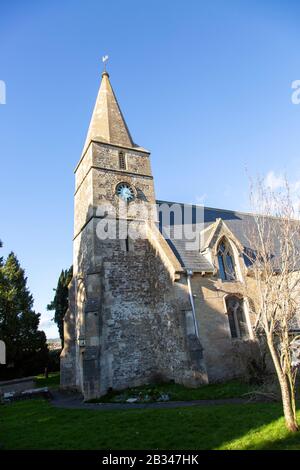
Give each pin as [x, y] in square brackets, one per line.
[104, 58]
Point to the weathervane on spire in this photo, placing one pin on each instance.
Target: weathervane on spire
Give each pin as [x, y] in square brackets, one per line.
[104, 60]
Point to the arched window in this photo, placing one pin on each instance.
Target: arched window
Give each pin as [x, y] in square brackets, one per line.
[122, 161]
[236, 317]
[226, 262]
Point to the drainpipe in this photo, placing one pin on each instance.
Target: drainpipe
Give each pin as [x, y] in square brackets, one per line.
[189, 274]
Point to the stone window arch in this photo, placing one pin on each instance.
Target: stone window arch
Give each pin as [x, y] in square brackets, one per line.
[226, 261]
[235, 309]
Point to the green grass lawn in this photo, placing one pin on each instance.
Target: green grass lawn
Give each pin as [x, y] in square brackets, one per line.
[177, 392]
[51, 382]
[38, 425]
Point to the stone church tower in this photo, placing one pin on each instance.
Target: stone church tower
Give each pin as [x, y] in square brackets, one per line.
[127, 319]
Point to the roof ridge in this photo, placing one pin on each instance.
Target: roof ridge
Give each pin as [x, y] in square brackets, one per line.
[232, 211]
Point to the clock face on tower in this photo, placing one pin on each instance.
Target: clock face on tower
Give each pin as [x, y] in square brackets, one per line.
[125, 192]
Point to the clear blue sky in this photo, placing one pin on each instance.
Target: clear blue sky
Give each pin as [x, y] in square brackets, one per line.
[205, 85]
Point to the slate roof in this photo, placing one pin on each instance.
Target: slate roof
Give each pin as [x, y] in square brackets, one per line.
[188, 258]
[239, 223]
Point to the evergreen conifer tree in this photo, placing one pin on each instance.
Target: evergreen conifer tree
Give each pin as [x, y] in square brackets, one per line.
[60, 301]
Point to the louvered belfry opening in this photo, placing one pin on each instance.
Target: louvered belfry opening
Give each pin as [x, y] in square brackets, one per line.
[122, 161]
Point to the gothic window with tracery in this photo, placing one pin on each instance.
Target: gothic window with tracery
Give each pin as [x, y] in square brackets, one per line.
[226, 262]
[236, 317]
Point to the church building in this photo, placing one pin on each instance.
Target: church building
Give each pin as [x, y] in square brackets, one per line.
[149, 304]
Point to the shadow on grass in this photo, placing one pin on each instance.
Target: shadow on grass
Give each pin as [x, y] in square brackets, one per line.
[38, 425]
[290, 442]
[277, 437]
[269, 433]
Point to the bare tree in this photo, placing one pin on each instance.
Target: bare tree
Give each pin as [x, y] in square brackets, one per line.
[274, 254]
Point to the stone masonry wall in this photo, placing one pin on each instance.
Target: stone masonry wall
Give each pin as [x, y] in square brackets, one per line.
[138, 313]
[223, 355]
[129, 313]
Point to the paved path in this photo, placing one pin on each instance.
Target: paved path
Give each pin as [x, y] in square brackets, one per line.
[75, 401]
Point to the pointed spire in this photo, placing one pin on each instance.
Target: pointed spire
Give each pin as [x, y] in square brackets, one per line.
[108, 124]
